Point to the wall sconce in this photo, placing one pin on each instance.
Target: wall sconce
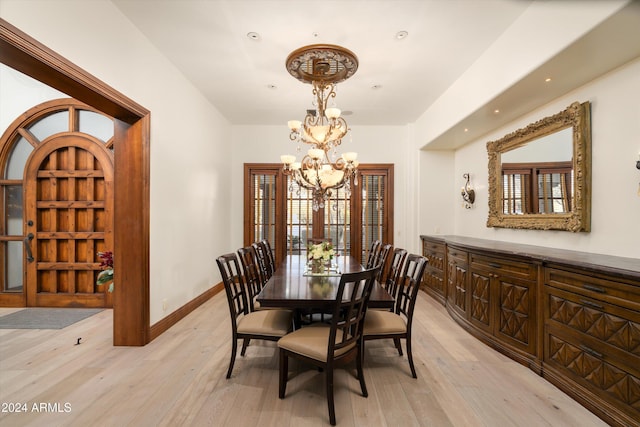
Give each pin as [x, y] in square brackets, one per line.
[638, 167]
[467, 192]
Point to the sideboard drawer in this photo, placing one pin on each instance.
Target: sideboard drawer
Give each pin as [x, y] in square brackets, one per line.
[610, 329]
[504, 267]
[457, 256]
[623, 294]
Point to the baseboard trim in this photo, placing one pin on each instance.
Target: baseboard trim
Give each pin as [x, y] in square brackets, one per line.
[165, 323]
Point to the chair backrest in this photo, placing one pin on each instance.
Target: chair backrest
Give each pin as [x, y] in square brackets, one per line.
[263, 262]
[373, 254]
[349, 310]
[382, 260]
[252, 272]
[395, 270]
[409, 284]
[234, 286]
[269, 253]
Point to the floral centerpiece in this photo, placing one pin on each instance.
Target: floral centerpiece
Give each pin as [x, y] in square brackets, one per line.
[106, 275]
[320, 256]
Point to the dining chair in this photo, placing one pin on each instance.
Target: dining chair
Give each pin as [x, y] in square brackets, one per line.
[395, 269]
[263, 261]
[381, 324]
[329, 346]
[253, 274]
[373, 254]
[270, 256]
[381, 261]
[246, 325]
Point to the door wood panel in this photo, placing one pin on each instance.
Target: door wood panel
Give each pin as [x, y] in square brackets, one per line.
[69, 211]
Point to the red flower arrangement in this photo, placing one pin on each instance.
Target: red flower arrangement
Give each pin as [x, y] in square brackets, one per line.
[106, 264]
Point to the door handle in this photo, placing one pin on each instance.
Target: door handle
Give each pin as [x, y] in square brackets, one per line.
[27, 246]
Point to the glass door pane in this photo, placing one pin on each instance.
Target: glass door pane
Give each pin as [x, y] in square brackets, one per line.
[264, 207]
[337, 220]
[373, 192]
[299, 210]
[13, 277]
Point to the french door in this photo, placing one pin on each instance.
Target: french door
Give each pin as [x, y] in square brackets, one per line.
[277, 209]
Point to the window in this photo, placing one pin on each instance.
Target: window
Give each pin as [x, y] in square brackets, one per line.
[276, 208]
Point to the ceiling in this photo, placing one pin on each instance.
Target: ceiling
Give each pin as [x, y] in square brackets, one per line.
[397, 79]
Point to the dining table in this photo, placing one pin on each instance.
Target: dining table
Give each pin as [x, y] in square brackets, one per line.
[294, 286]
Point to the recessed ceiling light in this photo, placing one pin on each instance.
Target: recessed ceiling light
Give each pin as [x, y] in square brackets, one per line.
[376, 87]
[253, 36]
[496, 111]
[401, 34]
[548, 79]
[466, 129]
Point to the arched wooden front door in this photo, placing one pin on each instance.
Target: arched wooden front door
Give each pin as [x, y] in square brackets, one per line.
[69, 192]
[57, 167]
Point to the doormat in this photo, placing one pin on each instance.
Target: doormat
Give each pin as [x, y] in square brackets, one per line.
[46, 318]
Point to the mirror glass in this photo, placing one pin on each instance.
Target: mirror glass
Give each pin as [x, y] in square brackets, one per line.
[539, 175]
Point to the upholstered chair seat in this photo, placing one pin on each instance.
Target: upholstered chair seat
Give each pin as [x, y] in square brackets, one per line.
[380, 322]
[312, 342]
[274, 323]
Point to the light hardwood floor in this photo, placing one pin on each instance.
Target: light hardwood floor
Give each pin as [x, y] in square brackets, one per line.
[179, 379]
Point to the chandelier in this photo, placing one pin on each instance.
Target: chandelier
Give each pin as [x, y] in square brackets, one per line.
[321, 170]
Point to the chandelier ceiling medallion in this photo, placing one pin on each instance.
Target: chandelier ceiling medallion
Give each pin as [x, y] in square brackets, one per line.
[321, 170]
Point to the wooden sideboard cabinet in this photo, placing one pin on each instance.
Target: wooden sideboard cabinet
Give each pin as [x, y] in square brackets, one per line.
[572, 317]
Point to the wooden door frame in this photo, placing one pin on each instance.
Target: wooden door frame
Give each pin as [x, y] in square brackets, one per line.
[380, 169]
[131, 312]
[250, 169]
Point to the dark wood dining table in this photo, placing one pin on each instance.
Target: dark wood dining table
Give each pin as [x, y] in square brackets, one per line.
[289, 287]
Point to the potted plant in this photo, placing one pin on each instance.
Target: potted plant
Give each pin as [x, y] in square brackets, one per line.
[106, 275]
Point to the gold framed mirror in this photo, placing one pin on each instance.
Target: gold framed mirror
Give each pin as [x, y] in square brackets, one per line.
[540, 175]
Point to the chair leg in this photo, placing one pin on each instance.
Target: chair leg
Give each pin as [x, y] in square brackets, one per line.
[410, 357]
[398, 345]
[284, 374]
[245, 344]
[359, 360]
[332, 409]
[234, 348]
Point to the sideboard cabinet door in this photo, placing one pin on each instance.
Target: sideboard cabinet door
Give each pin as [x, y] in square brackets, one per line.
[503, 299]
[433, 278]
[457, 280]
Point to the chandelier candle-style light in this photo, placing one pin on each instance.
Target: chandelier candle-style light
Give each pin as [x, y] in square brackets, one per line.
[321, 170]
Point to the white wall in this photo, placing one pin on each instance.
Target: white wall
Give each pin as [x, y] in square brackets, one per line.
[374, 144]
[615, 204]
[189, 138]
